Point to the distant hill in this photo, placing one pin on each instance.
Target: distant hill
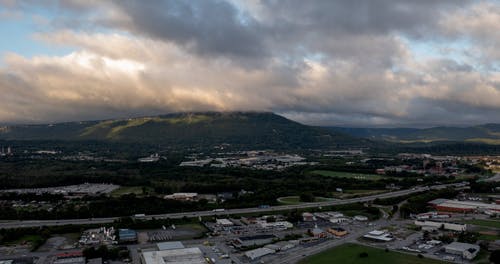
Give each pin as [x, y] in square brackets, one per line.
[488, 134]
[254, 129]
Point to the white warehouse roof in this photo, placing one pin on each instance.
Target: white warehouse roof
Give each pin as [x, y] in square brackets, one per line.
[177, 256]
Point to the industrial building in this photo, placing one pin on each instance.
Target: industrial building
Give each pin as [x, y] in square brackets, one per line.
[182, 196]
[75, 257]
[433, 225]
[465, 250]
[432, 215]
[259, 252]
[178, 256]
[283, 245]
[282, 225]
[170, 245]
[127, 235]
[463, 206]
[257, 240]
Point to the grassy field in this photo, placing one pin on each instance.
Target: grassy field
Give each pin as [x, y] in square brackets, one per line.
[349, 254]
[488, 237]
[296, 199]
[485, 223]
[27, 239]
[482, 257]
[137, 190]
[341, 174]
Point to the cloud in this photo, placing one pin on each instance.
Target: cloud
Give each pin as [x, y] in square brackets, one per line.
[319, 62]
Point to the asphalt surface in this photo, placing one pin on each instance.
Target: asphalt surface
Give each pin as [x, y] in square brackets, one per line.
[37, 223]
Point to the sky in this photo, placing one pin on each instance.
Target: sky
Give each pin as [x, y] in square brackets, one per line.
[366, 63]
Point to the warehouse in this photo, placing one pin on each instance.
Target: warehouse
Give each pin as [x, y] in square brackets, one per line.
[257, 240]
[259, 252]
[169, 245]
[281, 225]
[463, 206]
[182, 196]
[467, 251]
[75, 257]
[433, 225]
[179, 256]
[127, 235]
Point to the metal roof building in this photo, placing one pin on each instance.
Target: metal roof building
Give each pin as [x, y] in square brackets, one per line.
[467, 251]
[259, 252]
[127, 235]
[170, 245]
[177, 256]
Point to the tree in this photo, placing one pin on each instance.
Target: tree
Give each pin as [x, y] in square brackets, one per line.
[306, 197]
[495, 256]
[445, 239]
[363, 255]
[467, 237]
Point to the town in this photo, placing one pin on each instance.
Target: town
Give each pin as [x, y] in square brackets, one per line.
[454, 221]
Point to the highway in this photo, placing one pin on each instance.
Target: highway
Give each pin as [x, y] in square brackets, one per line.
[37, 223]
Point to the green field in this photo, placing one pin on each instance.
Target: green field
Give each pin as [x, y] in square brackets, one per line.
[341, 174]
[296, 199]
[485, 223]
[488, 237]
[137, 190]
[349, 254]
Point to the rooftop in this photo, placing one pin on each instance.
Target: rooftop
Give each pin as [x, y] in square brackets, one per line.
[457, 246]
[178, 256]
[170, 245]
[259, 252]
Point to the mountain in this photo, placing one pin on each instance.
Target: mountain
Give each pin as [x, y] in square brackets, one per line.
[255, 129]
[488, 133]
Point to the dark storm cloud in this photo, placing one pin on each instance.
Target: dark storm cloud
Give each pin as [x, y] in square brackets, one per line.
[360, 16]
[207, 27]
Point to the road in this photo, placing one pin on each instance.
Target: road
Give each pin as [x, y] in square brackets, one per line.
[37, 223]
[305, 252]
